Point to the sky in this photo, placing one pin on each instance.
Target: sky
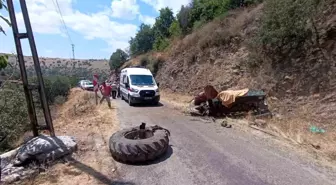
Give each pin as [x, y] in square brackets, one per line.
[96, 27]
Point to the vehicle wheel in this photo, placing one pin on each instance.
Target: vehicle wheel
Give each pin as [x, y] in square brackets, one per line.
[126, 147]
[129, 101]
[122, 97]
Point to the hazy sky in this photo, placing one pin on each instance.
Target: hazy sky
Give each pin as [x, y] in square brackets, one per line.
[96, 27]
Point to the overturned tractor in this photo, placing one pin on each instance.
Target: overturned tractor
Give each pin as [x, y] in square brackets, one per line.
[229, 102]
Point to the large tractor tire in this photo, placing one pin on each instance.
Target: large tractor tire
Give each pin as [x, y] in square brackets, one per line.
[125, 145]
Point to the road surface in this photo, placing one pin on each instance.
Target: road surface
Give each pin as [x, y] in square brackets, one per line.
[205, 153]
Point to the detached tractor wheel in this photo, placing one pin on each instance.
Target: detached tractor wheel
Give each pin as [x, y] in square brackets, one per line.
[135, 145]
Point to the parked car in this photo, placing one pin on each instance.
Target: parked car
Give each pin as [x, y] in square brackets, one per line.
[137, 85]
[86, 85]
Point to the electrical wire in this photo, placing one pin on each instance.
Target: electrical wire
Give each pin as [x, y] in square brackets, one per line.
[55, 2]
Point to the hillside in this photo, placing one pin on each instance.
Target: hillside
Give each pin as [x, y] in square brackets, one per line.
[61, 66]
[298, 71]
[57, 62]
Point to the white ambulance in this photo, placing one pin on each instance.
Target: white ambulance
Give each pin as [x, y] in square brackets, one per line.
[137, 85]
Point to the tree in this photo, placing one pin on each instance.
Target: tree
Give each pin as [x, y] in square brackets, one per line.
[175, 29]
[183, 18]
[117, 59]
[143, 40]
[3, 6]
[163, 22]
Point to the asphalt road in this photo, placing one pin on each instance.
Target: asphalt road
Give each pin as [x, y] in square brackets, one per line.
[206, 153]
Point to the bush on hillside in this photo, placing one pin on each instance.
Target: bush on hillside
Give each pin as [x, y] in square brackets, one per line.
[175, 29]
[3, 61]
[144, 61]
[161, 44]
[13, 116]
[155, 64]
[57, 86]
[286, 28]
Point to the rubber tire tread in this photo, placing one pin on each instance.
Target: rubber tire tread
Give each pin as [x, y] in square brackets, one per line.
[137, 151]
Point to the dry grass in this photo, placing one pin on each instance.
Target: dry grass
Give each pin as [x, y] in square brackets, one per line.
[294, 125]
[151, 55]
[91, 126]
[226, 30]
[179, 101]
[78, 104]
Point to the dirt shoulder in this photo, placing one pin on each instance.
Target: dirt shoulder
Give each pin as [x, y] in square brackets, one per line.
[292, 133]
[91, 126]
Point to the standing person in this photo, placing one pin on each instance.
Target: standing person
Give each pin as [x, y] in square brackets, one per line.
[106, 92]
[95, 87]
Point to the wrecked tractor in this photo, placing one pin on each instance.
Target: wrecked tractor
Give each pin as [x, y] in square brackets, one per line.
[139, 144]
[229, 102]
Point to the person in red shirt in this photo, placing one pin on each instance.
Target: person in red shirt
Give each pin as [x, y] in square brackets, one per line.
[106, 92]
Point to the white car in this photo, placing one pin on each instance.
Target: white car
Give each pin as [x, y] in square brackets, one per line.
[86, 85]
[137, 85]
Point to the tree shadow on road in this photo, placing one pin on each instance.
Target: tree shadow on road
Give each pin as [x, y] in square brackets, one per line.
[99, 176]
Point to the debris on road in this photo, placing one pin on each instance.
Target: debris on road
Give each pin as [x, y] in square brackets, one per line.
[139, 144]
[212, 103]
[225, 124]
[315, 129]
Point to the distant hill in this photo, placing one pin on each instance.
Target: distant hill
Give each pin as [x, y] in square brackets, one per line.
[61, 66]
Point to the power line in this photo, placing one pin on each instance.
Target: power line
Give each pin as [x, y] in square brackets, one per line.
[62, 19]
[65, 26]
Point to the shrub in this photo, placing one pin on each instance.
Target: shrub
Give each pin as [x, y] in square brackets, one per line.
[13, 116]
[57, 86]
[175, 29]
[285, 28]
[3, 61]
[144, 61]
[155, 65]
[161, 44]
[198, 24]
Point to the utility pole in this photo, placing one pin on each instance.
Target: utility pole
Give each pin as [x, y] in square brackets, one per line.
[73, 51]
[29, 88]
